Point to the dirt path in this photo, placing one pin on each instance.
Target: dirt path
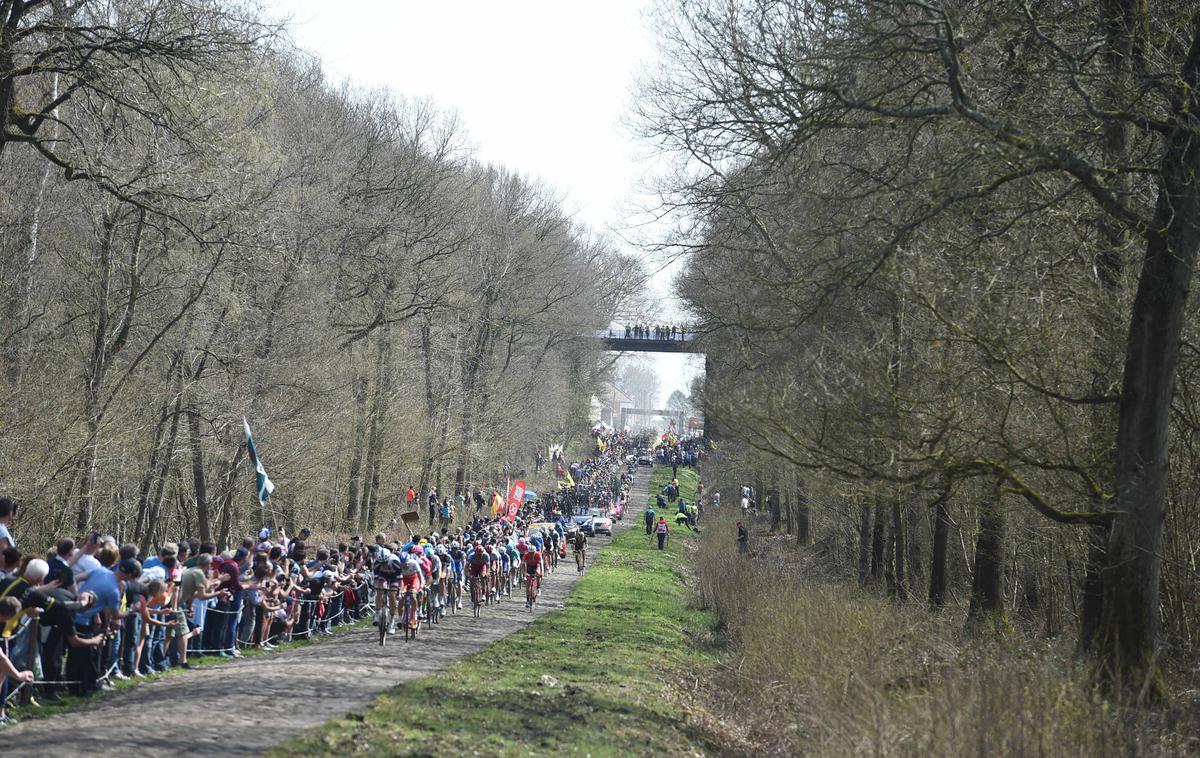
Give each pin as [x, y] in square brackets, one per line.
[247, 705]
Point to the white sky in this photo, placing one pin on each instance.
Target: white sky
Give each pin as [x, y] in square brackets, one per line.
[542, 86]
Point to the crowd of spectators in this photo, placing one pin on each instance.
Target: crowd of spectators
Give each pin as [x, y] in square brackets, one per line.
[93, 611]
[670, 332]
[682, 451]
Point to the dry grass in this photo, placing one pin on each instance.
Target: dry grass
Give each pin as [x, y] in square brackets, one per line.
[818, 666]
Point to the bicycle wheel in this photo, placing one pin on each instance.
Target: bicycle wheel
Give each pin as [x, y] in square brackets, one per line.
[383, 624]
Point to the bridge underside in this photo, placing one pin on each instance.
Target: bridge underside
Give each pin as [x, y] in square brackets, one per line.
[631, 345]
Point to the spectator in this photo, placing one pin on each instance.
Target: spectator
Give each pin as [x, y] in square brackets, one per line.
[60, 566]
[83, 561]
[83, 663]
[8, 511]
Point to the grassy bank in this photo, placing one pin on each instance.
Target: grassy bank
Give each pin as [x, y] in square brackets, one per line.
[818, 666]
[596, 678]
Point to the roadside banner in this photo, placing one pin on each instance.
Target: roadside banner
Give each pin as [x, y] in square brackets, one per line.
[516, 496]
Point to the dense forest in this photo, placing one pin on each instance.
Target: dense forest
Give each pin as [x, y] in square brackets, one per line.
[196, 226]
[940, 253]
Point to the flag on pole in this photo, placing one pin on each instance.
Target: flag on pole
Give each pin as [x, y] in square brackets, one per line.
[261, 481]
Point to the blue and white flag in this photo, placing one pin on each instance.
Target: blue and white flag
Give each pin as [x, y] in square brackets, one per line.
[261, 481]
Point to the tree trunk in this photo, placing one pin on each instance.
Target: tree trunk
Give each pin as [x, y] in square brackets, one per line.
[231, 476]
[1129, 622]
[359, 442]
[987, 588]
[803, 515]
[864, 543]
[471, 368]
[877, 537]
[199, 483]
[899, 586]
[431, 409]
[1092, 590]
[18, 306]
[379, 410]
[937, 563]
[154, 482]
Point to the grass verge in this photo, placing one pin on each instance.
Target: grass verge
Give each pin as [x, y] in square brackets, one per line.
[596, 678]
[819, 666]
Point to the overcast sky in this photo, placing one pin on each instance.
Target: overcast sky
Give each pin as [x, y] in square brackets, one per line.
[542, 86]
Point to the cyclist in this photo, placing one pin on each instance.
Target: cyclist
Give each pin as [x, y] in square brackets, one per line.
[550, 556]
[537, 541]
[533, 567]
[579, 543]
[514, 562]
[477, 569]
[502, 555]
[435, 581]
[386, 568]
[458, 558]
[493, 571]
[410, 576]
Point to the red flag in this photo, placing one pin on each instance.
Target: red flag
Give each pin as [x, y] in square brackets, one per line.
[515, 497]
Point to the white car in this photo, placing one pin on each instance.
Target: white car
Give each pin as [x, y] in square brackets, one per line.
[602, 525]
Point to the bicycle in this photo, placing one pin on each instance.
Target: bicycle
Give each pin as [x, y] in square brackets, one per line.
[454, 593]
[428, 607]
[409, 617]
[476, 595]
[580, 561]
[531, 591]
[386, 617]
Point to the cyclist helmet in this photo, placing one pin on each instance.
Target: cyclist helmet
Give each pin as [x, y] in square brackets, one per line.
[454, 545]
[428, 550]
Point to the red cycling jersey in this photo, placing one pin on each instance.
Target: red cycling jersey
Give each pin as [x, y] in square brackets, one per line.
[532, 559]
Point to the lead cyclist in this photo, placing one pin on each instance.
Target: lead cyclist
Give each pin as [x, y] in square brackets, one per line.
[385, 572]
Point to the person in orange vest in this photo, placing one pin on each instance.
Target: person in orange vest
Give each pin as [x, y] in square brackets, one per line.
[661, 529]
